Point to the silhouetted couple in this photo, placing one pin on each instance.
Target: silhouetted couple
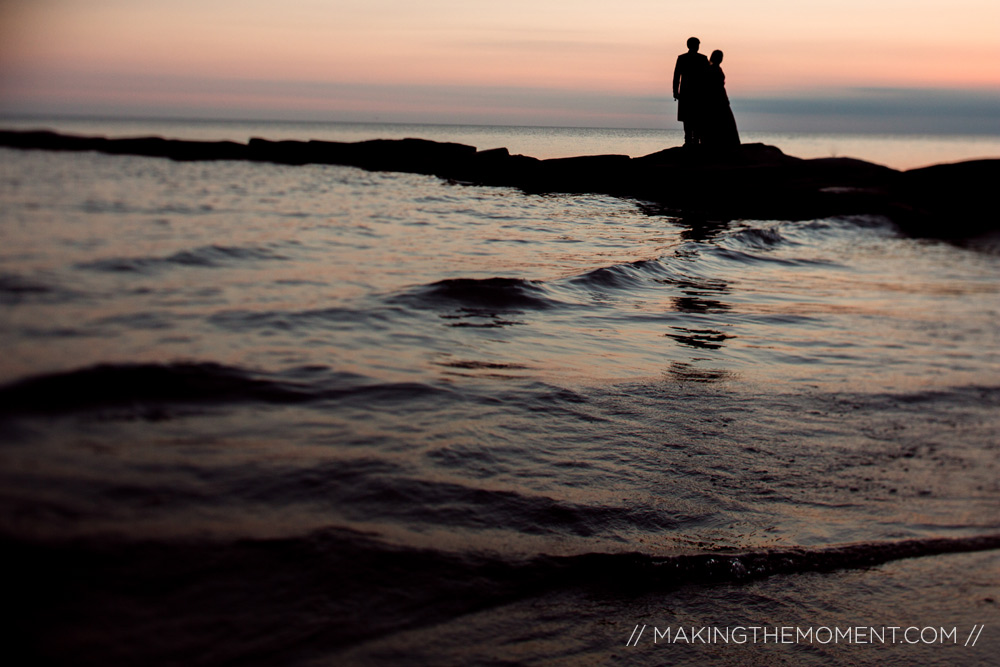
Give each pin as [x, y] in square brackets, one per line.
[702, 103]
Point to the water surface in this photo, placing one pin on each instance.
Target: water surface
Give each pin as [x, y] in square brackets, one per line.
[408, 410]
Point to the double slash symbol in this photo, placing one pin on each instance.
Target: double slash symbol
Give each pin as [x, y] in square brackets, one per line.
[970, 634]
[636, 638]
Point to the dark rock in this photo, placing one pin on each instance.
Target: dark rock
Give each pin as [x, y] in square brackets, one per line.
[282, 152]
[749, 181]
[947, 200]
[498, 167]
[588, 173]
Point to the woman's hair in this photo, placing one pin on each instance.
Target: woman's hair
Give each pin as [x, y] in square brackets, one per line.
[716, 57]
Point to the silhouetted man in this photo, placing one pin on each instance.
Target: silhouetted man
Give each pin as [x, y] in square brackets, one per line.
[689, 76]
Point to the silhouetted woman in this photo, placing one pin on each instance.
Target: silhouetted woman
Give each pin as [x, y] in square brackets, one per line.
[719, 125]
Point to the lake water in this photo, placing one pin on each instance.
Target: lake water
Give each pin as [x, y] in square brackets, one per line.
[269, 414]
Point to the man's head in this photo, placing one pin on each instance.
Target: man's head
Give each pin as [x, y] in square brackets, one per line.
[693, 44]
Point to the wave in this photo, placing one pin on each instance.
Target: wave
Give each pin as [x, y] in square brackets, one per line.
[623, 276]
[343, 587]
[546, 572]
[751, 258]
[210, 256]
[145, 388]
[369, 490]
[16, 289]
[757, 237]
[636, 569]
[515, 294]
[713, 567]
[743, 246]
[490, 293]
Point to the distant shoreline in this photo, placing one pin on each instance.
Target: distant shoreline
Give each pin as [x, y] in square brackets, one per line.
[754, 181]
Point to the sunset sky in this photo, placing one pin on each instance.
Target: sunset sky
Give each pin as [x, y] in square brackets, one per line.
[855, 65]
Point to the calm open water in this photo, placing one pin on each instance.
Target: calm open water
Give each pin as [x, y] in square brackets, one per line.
[265, 414]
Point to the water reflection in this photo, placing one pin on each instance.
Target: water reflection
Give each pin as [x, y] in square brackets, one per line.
[702, 339]
[699, 297]
[694, 227]
[479, 319]
[695, 304]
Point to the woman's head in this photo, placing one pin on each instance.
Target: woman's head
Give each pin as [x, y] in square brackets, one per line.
[716, 57]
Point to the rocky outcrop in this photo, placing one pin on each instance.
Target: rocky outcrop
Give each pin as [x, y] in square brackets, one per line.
[751, 181]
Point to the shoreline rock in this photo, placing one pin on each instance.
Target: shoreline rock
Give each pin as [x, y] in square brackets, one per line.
[752, 181]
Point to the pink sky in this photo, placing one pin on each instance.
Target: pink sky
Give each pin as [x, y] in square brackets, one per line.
[574, 62]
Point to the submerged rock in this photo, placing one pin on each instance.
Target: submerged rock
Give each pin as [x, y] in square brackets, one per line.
[749, 181]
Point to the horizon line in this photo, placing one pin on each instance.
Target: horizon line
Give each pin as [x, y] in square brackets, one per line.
[22, 115]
